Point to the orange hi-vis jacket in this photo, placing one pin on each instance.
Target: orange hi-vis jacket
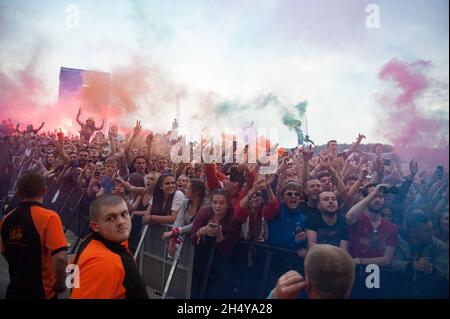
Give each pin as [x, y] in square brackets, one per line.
[107, 270]
[31, 235]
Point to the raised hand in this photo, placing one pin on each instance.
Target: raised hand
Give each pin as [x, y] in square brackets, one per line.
[325, 163]
[363, 174]
[137, 128]
[307, 153]
[283, 167]
[360, 137]
[378, 166]
[289, 286]
[60, 135]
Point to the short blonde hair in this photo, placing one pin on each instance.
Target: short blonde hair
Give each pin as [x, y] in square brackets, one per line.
[330, 271]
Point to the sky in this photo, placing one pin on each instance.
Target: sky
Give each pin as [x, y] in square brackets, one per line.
[236, 52]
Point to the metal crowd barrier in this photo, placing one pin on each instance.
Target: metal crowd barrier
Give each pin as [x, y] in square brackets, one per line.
[156, 269]
[8, 200]
[202, 272]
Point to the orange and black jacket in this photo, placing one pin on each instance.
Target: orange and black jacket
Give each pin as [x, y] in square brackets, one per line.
[31, 235]
[107, 270]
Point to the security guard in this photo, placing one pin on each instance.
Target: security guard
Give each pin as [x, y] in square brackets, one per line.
[107, 269]
[34, 245]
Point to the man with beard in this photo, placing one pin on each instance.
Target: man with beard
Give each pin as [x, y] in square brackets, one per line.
[329, 226]
[421, 261]
[372, 239]
[88, 128]
[312, 191]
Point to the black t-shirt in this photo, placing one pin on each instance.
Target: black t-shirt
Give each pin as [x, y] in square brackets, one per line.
[308, 211]
[327, 234]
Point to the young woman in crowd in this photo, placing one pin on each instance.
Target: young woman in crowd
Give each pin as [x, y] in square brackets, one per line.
[166, 202]
[195, 200]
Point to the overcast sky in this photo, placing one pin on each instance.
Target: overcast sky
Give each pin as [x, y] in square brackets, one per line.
[320, 51]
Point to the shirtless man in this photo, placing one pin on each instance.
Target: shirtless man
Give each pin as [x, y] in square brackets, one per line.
[88, 128]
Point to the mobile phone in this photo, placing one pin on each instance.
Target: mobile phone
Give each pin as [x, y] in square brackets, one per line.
[259, 178]
[96, 173]
[213, 225]
[386, 162]
[390, 190]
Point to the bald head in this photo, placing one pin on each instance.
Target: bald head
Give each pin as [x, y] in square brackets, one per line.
[329, 271]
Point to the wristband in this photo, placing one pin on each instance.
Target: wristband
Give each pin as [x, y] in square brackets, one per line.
[176, 231]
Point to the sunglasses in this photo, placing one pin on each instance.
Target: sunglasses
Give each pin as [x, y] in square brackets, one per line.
[257, 194]
[292, 194]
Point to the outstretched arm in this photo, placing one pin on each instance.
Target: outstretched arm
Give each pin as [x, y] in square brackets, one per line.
[39, 128]
[355, 145]
[353, 191]
[353, 214]
[307, 154]
[78, 118]
[61, 153]
[101, 126]
[136, 130]
[149, 142]
[112, 145]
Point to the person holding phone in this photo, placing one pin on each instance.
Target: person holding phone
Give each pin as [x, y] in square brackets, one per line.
[421, 260]
[97, 185]
[389, 159]
[249, 211]
[217, 222]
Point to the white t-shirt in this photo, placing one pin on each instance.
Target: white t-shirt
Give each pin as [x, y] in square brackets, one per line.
[178, 199]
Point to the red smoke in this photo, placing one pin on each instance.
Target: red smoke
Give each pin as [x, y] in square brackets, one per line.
[413, 132]
[133, 88]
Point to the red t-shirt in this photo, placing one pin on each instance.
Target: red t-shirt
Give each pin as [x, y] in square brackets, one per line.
[368, 242]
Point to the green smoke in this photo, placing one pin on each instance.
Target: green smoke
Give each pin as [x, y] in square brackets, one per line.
[293, 122]
[224, 108]
[301, 107]
[290, 121]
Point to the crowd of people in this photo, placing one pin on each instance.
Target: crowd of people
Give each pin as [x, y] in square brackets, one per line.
[361, 200]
